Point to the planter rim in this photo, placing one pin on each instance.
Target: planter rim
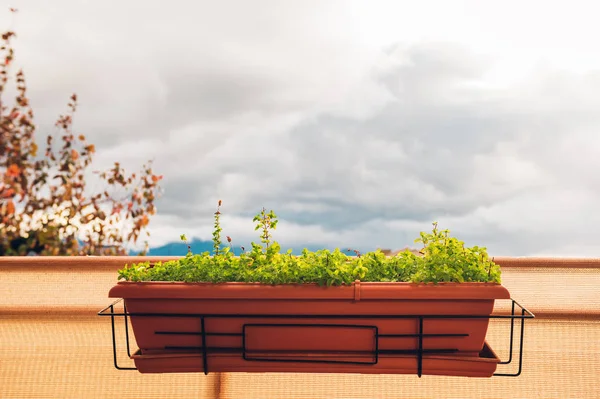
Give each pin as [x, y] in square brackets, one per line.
[355, 291]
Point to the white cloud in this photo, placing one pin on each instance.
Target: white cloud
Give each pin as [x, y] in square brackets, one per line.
[358, 122]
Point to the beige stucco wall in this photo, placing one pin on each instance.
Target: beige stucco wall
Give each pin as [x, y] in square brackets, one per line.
[52, 344]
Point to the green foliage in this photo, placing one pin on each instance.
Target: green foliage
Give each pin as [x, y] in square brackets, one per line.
[265, 222]
[444, 259]
[184, 239]
[447, 259]
[217, 231]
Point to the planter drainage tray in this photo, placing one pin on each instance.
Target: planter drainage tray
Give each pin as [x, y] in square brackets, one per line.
[483, 365]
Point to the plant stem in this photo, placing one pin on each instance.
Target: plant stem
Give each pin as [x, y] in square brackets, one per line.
[217, 231]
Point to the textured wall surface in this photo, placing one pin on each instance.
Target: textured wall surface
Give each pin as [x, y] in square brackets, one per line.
[52, 344]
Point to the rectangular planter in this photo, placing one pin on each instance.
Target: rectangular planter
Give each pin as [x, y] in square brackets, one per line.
[354, 328]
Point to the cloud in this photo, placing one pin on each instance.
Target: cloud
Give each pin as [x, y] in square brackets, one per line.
[507, 167]
[354, 134]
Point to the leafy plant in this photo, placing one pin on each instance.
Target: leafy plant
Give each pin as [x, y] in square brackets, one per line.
[45, 206]
[266, 222]
[217, 230]
[444, 259]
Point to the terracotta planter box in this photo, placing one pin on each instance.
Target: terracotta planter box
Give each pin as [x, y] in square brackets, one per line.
[362, 328]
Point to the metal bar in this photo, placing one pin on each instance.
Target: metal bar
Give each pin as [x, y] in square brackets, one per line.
[219, 349]
[420, 349]
[518, 373]
[326, 316]
[126, 330]
[359, 326]
[416, 351]
[199, 349]
[363, 326]
[376, 345]
[198, 333]
[308, 361]
[114, 339]
[424, 335]
[531, 315]
[521, 344]
[512, 328]
[101, 313]
[204, 357]
[244, 351]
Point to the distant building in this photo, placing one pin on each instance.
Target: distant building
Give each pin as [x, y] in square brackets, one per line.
[389, 252]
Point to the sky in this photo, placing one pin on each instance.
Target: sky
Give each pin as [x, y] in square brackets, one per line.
[359, 122]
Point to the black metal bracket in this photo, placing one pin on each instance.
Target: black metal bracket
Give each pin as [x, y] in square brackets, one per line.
[419, 352]
[375, 330]
[112, 315]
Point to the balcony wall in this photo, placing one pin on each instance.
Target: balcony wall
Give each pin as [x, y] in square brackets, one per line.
[53, 345]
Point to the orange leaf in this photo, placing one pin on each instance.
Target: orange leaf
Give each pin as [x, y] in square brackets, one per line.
[144, 221]
[8, 193]
[74, 154]
[13, 171]
[156, 178]
[10, 207]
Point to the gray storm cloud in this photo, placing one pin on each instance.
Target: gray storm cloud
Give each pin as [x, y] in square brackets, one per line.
[283, 107]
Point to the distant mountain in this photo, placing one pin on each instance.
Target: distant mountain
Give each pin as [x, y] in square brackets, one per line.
[180, 249]
[199, 246]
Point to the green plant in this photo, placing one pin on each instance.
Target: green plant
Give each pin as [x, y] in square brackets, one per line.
[447, 259]
[189, 247]
[444, 259]
[266, 221]
[217, 230]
